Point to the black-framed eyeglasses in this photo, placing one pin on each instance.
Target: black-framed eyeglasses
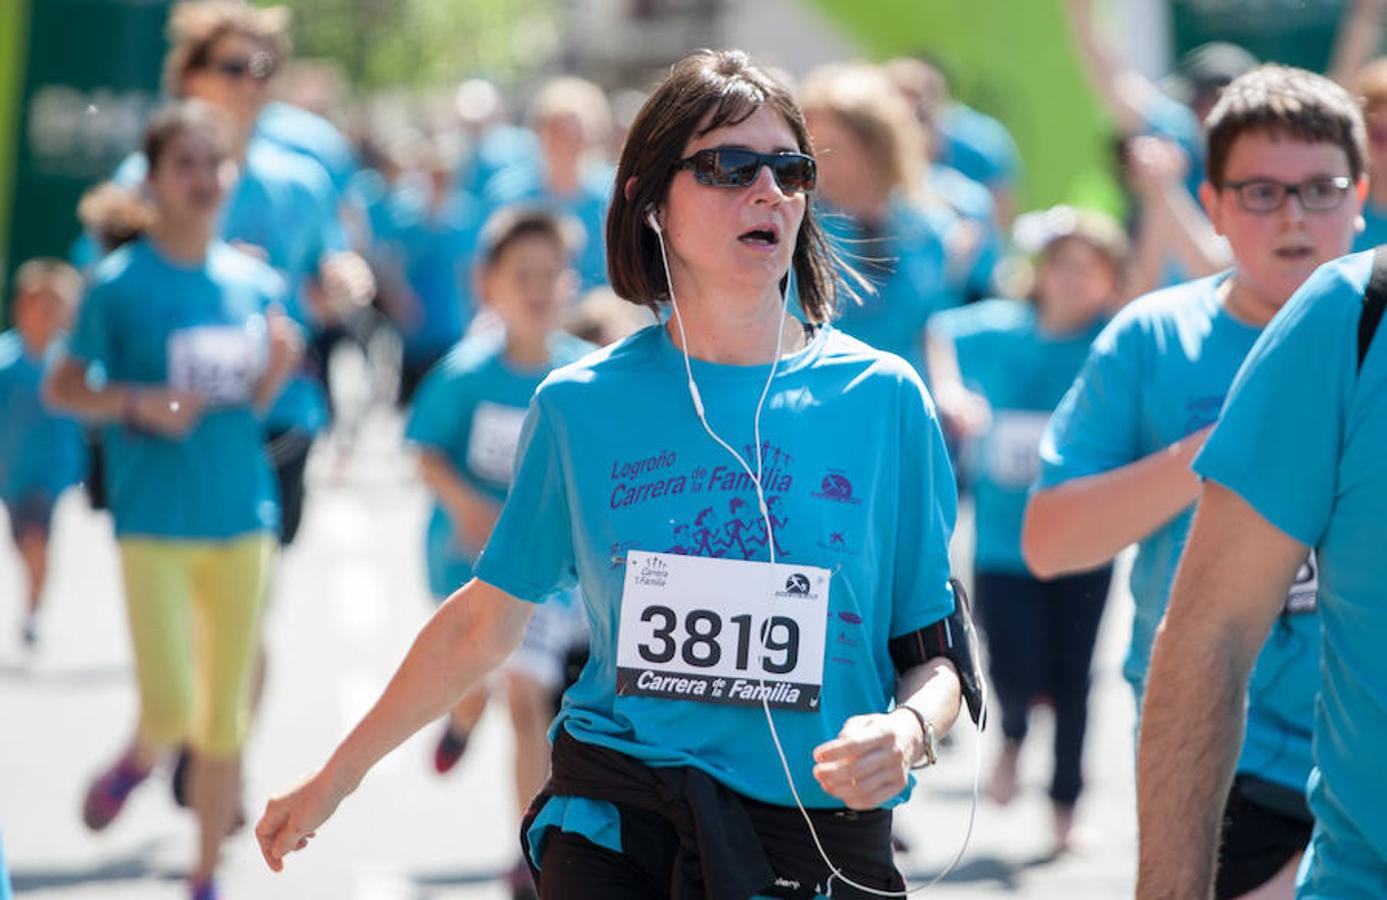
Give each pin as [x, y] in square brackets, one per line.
[1263, 195]
[258, 66]
[738, 167]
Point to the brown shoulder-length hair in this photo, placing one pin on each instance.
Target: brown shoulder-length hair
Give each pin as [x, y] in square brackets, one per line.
[705, 90]
[195, 26]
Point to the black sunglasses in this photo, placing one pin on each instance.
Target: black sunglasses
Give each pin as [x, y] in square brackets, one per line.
[738, 167]
[258, 66]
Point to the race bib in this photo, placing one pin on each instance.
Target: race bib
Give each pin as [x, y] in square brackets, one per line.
[223, 363]
[494, 441]
[722, 631]
[1013, 460]
[1304, 595]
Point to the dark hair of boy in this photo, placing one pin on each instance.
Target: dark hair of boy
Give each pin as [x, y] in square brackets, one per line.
[1286, 103]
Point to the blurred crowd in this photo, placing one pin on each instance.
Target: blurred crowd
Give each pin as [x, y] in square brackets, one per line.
[440, 237]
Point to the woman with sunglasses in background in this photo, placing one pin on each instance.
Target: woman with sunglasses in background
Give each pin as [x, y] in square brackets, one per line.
[757, 511]
[193, 349]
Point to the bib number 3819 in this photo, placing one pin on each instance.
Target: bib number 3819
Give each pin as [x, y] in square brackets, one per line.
[722, 631]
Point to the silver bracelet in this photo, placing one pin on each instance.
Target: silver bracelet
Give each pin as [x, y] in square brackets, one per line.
[927, 732]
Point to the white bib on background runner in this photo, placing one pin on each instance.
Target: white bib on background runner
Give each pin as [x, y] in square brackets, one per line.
[1013, 458]
[494, 441]
[223, 363]
[722, 631]
[1304, 594]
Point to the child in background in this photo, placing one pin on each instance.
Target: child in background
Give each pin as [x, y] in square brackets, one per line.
[999, 368]
[466, 422]
[41, 453]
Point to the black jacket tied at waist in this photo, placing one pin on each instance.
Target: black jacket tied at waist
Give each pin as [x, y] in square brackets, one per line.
[727, 842]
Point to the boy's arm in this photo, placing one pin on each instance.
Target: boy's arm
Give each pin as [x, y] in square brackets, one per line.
[473, 514]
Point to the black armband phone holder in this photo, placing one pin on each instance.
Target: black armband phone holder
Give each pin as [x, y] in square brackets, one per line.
[954, 638]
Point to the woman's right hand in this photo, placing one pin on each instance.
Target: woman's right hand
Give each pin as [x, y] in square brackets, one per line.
[291, 820]
[169, 413]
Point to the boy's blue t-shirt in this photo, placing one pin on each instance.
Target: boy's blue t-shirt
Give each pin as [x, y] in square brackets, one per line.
[1023, 372]
[1301, 440]
[470, 408]
[1159, 372]
[149, 321]
[907, 264]
[614, 460]
[41, 453]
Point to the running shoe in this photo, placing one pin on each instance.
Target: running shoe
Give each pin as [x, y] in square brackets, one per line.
[203, 889]
[451, 746]
[29, 632]
[108, 794]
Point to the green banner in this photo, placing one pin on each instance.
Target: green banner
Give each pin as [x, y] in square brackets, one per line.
[1014, 60]
[90, 81]
[13, 24]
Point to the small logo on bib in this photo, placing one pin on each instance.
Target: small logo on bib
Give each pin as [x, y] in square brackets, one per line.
[797, 587]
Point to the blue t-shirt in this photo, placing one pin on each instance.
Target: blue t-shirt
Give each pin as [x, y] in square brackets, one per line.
[907, 264]
[436, 253]
[149, 321]
[1375, 228]
[614, 460]
[41, 453]
[284, 204]
[1023, 372]
[470, 408]
[309, 134]
[1301, 440]
[501, 149]
[1159, 372]
[587, 207]
[972, 202]
[979, 146]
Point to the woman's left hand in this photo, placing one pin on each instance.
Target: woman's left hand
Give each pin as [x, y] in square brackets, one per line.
[869, 762]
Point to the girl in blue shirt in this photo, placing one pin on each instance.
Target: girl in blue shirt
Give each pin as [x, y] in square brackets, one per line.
[194, 346]
[770, 479]
[41, 453]
[999, 369]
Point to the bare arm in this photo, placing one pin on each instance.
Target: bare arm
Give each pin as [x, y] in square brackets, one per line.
[1125, 93]
[171, 413]
[1084, 523]
[963, 413]
[1231, 584]
[286, 349]
[1358, 40]
[1158, 168]
[869, 762]
[470, 634]
[473, 514]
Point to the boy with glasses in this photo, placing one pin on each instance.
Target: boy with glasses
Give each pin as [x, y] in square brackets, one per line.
[1285, 185]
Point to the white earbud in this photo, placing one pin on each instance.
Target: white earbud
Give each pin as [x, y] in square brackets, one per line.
[653, 222]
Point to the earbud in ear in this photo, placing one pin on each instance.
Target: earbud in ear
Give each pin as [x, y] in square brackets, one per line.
[651, 220]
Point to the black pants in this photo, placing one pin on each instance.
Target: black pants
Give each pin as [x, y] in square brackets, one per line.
[1040, 637]
[1265, 826]
[288, 451]
[574, 868]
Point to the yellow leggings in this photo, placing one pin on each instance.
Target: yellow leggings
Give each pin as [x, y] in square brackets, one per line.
[194, 610]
